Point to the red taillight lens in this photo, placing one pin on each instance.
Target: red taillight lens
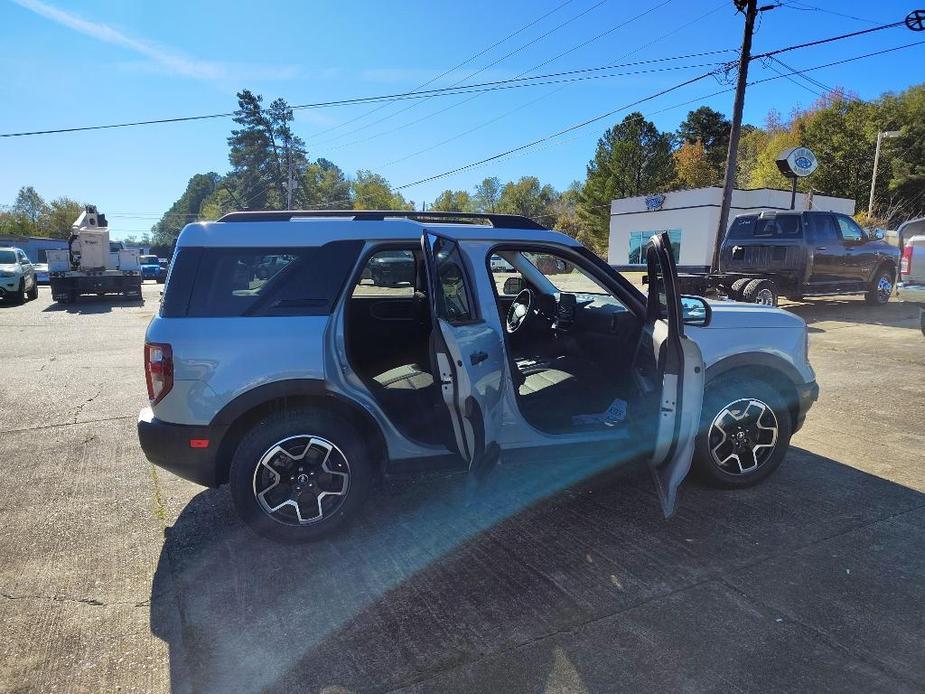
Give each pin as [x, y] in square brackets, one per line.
[158, 370]
[905, 263]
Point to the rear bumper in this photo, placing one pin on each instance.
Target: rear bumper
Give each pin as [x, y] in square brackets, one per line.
[807, 394]
[913, 293]
[168, 446]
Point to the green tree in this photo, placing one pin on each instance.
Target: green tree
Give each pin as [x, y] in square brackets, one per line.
[528, 197]
[29, 208]
[186, 209]
[324, 186]
[487, 194]
[906, 154]
[692, 167]
[710, 128]
[371, 191]
[60, 215]
[454, 201]
[632, 158]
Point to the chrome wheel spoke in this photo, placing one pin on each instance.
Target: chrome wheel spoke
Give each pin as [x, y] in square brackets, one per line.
[295, 478]
[743, 435]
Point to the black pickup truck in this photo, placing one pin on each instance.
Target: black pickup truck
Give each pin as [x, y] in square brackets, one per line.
[797, 254]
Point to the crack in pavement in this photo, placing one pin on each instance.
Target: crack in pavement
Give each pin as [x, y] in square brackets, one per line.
[82, 405]
[83, 601]
[67, 424]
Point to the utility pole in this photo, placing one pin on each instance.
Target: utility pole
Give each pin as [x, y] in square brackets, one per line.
[873, 179]
[750, 7]
[289, 179]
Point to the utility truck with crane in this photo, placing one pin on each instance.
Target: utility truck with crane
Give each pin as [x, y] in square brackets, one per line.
[92, 264]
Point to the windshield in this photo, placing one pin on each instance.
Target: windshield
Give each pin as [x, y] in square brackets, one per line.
[147, 259]
[7, 257]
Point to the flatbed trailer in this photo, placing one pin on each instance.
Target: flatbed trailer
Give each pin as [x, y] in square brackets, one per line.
[67, 286]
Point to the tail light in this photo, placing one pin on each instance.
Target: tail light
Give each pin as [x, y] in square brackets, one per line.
[158, 370]
[905, 263]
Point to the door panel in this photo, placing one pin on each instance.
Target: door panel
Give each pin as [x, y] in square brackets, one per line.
[827, 250]
[468, 352]
[679, 366]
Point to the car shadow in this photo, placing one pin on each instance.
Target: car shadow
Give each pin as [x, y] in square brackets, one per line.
[895, 314]
[90, 305]
[528, 584]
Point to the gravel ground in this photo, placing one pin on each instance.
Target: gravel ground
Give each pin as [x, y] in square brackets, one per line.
[115, 576]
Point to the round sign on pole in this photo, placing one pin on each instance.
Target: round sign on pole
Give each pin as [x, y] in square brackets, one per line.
[797, 162]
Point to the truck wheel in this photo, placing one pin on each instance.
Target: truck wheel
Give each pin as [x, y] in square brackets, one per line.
[744, 434]
[299, 474]
[737, 287]
[881, 289]
[760, 292]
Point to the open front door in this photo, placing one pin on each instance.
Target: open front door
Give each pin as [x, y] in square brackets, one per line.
[468, 355]
[680, 372]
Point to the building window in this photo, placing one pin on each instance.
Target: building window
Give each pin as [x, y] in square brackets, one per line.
[639, 241]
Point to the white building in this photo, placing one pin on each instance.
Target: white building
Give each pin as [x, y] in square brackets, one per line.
[690, 217]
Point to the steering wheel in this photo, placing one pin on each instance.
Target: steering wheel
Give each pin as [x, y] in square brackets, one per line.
[519, 310]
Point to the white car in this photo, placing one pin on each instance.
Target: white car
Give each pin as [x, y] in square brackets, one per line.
[499, 264]
[17, 276]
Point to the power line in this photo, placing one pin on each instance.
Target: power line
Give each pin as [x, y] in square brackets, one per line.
[467, 77]
[555, 91]
[667, 90]
[520, 75]
[811, 8]
[455, 67]
[230, 114]
[478, 87]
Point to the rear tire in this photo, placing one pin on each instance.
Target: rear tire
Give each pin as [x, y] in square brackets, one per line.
[744, 433]
[34, 292]
[737, 287]
[277, 495]
[881, 289]
[760, 292]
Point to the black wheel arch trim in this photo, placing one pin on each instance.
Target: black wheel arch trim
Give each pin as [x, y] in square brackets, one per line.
[292, 388]
[751, 360]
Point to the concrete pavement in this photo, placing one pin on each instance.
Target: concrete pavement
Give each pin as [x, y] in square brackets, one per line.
[119, 577]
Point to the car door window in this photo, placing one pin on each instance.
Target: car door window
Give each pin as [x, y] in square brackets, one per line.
[849, 229]
[388, 273]
[454, 297]
[568, 278]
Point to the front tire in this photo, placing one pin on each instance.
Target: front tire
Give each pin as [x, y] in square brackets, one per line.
[744, 434]
[881, 289]
[19, 297]
[34, 292]
[298, 475]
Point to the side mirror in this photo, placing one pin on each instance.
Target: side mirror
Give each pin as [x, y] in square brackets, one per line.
[879, 235]
[513, 286]
[695, 311]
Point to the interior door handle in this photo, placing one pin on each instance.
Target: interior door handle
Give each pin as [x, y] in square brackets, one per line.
[478, 357]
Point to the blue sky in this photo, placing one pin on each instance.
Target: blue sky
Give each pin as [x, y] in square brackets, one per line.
[105, 61]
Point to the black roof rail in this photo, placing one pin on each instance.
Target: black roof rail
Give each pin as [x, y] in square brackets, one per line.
[498, 221]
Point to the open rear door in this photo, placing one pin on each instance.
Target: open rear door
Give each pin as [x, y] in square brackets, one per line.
[680, 372]
[468, 355]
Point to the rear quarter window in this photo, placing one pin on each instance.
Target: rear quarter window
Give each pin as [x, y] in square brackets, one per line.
[230, 282]
[742, 228]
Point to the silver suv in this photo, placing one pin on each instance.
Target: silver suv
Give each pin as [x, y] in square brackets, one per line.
[285, 362]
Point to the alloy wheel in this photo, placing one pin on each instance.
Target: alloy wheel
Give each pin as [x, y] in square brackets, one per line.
[884, 289]
[742, 437]
[301, 480]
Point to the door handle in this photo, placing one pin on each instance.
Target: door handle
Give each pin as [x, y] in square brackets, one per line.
[478, 357]
[821, 248]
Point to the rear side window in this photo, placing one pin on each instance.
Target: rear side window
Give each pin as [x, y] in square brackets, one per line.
[782, 226]
[777, 227]
[228, 282]
[742, 228]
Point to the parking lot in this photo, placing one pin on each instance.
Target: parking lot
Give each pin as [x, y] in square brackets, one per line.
[118, 576]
